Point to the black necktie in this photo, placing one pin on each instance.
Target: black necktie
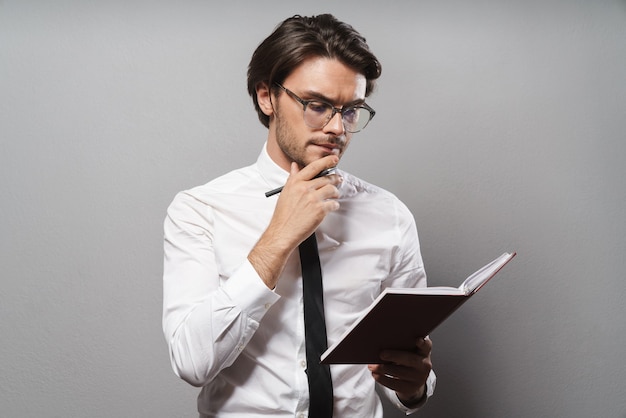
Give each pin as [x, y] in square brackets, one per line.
[320, 384]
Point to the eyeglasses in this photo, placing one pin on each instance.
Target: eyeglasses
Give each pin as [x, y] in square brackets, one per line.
[318, 113]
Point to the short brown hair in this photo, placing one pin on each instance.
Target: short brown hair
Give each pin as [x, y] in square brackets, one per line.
[299, 38]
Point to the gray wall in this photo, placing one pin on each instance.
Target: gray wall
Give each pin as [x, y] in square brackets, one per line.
[500, 123]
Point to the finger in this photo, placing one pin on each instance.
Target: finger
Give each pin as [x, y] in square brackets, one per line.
[397, 385]
[326, 197]
[417, 374]
[315, 197]
[424, 346]
[331, 205]
[317, 166]
[328, 184]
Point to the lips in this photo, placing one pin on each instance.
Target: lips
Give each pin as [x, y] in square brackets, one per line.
[329, 148]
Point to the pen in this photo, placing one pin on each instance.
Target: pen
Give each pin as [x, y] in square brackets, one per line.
[320, 174]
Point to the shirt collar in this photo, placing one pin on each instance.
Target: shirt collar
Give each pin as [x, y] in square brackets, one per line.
[271, 172]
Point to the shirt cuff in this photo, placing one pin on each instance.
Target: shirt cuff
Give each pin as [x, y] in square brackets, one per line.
[430, 388]
[248, 291]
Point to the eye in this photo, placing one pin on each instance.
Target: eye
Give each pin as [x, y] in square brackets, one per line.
[319, 107]
[351, 114]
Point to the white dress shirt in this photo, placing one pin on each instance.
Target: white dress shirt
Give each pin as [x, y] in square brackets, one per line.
[244, 343]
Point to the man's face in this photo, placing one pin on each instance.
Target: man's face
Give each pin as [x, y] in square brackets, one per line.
[328, 80]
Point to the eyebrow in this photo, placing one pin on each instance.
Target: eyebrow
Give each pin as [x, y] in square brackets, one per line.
[319, 96]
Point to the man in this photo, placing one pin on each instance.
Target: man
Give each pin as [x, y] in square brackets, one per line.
[233, 285]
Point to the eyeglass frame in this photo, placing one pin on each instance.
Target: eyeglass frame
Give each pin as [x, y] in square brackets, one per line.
[335, 110]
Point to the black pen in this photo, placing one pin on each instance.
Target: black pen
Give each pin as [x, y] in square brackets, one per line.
[320, 174]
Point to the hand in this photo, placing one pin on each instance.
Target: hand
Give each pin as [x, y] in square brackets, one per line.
[305, 200]
[302, 205]
[406, 371]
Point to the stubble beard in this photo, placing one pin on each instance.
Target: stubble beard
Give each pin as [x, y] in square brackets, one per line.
[285, 138]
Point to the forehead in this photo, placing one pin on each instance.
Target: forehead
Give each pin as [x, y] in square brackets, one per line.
[329, 78]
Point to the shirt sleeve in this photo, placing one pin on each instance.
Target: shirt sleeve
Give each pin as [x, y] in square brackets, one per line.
[406, 264]
[430, 389]
[206, 325]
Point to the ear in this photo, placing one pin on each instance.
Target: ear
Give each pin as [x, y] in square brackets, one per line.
[264, 97]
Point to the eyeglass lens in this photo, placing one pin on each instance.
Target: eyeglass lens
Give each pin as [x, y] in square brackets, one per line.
[318, 114]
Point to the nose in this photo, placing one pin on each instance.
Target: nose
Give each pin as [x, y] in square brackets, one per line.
[335, 125]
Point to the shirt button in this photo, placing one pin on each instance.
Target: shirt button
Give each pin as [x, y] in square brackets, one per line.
[303, 363]
[268, 305]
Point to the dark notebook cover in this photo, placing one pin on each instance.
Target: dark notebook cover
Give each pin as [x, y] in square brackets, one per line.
[399, 316]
